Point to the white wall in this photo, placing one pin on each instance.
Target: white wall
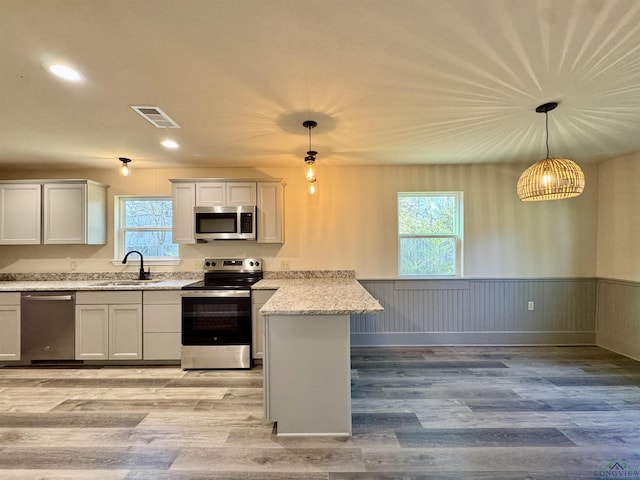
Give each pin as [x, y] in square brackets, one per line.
[353, 224]
[619, 219]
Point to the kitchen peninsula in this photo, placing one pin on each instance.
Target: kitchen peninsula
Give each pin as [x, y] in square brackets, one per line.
[307, 363]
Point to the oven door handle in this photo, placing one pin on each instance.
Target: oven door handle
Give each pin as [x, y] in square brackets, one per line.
[218, 293]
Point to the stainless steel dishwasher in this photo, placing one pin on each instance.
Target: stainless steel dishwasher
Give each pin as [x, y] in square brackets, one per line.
[47, 326]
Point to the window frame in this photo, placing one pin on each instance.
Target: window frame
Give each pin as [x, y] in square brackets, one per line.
[120, 229]
[457, 235]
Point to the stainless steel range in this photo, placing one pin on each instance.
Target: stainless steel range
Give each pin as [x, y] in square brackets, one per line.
[216, 314]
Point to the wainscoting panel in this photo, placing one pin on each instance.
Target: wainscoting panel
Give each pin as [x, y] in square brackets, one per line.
[479, 312]
[619, 317]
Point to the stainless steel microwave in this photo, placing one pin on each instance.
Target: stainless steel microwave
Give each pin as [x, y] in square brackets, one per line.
[225, 223]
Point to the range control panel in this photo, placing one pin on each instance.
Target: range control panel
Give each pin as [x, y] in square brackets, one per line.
[232, 264]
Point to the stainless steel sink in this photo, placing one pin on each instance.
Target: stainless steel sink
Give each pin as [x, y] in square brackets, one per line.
[120, 283]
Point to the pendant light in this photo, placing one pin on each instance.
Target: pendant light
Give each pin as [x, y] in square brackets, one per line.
[551, 178]
[310, 161]
[125, 169]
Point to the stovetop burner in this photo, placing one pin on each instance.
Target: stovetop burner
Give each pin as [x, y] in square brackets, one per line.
[228, 274]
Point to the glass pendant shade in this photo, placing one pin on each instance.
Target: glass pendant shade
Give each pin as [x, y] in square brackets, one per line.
[310, 171]
[313, 188]
[125, 169]
[310, 160]
[550, 179]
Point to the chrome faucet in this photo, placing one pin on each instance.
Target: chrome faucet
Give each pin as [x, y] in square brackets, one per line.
[142, 275]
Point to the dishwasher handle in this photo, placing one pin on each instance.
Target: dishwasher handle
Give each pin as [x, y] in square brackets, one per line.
[59, 298]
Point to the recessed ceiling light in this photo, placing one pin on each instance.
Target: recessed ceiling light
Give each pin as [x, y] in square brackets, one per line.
[169, 144]
[65, 72]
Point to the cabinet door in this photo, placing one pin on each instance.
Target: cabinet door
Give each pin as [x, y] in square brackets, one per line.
[96, 229]
[92, 332]
[184, 199]
[64, 209]
[9, 332]
[259, 298]
[270, 213]
[210, 194]
[125, 332]
[240, 193]
[20, 214]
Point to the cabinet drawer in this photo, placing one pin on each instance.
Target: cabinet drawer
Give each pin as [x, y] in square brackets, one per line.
[9, 298]
[108, 297]
[162, 297]
[162, 346]
[162, 318]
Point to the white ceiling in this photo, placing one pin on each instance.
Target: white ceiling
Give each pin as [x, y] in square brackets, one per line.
[388, 81]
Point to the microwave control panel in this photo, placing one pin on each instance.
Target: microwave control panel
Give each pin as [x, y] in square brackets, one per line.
[246, 223]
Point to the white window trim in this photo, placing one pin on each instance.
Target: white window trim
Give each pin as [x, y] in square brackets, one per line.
[459, 236]
[118, 236]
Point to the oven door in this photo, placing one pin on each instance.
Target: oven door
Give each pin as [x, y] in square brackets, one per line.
[216, 317]
[216, 329]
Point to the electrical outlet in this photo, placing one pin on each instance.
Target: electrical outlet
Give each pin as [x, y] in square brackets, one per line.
[197, 264]
[530, 306]
[74, 266]
[285, 265]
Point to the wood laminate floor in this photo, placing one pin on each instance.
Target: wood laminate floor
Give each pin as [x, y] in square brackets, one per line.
[553, 413]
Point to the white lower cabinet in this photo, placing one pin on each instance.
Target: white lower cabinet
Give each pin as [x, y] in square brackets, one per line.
[162, 325]
[9, 326]
[258, 299]
[109, 325]
[307, 374]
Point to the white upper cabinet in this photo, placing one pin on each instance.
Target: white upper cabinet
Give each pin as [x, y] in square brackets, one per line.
[267, 195]
[183, 201]
[75, 213]
[210, 194]
[225, 194]
[240, 193]
[270, 212]
[20, 213]
[70, 212]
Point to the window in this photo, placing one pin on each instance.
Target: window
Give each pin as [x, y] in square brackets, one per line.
[430, 233]
[144, 224]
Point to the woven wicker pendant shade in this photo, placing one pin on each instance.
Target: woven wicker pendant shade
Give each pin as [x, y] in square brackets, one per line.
[551, 178]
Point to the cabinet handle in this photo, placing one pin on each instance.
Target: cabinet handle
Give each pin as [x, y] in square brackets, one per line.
[48, 297]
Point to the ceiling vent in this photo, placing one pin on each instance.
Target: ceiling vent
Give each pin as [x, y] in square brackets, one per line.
[156, 116]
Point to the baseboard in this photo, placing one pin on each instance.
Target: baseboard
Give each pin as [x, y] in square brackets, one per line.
[472, 338]
[616, 345]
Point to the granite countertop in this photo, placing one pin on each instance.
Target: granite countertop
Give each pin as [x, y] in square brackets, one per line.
[317, 295]
[96, 281]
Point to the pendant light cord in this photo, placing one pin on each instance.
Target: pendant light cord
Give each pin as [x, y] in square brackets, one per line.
[546, 123]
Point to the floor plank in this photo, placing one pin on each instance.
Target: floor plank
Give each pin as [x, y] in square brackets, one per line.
[437, 413]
